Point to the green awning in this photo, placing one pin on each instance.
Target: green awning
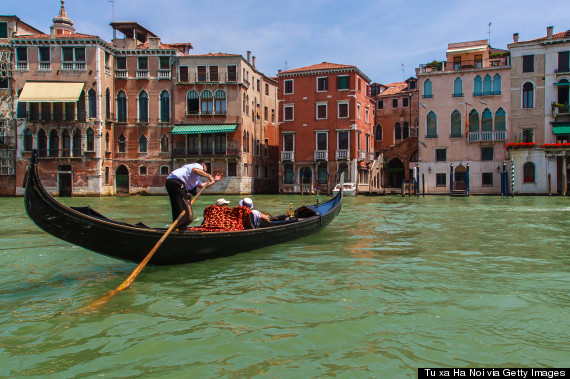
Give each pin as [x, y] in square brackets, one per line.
[561, 129]
[204, 129]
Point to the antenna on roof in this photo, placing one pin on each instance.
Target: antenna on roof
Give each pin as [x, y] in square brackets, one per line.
[403, 74]
[285, 66]
[489, 34]
[113, 2]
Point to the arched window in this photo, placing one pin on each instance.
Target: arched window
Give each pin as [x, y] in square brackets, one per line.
[477, 86]
[42, 143]
[487, 121]
[206, 104]
[65, 143]
[164, 144]
[28, 140]
[122, 142]
[487, 82]
[53, 147]
[528, 172]
[107, 104]
[76, 143]
[473, 121]
[21, 111]
[164, 106]
[220, 101]
[90, 134]
[143, 106]
[121, 106]
[455, 124]
[92, 103]
[398, 131]
[81, 112]
[142, 144]
[427, 89]
[192, 102]
[431, 131]
[458, 87]
[500, 120]
[243, 105]
[497, 84]
[244, 142]
[378, 134]
[563, 91]
[405, 130]
[528, 95]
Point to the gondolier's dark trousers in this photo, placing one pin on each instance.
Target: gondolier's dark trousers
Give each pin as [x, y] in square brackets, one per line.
[179, 202]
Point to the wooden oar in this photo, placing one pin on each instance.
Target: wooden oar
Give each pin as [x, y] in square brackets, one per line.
[127, 283]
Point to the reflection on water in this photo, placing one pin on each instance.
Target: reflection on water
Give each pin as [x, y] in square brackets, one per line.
[391, 285]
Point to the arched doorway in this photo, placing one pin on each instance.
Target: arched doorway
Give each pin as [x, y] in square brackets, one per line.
[460, 178]
[122, 180]
[394, 173]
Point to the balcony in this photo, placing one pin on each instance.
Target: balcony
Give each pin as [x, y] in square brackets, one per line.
[321, 155]
[120, 74]
[22, 66]
[164, 74]
[501, 61]
[342, 155]
[73, 66]
[488, 136]
[108, 70]
[142, 74]
[191, 152]
[361, 155]
[44, 66]
[287, 156]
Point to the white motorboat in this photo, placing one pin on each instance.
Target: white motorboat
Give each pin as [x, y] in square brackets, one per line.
[348, 189]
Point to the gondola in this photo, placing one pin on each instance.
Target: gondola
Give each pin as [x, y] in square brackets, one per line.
[89, 229]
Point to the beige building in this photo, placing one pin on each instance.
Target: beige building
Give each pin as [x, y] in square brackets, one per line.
[463, 119]
[540, 113]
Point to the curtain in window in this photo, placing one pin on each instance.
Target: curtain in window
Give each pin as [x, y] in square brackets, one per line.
[322, 174]
[164, 107]
[220, 104]
[76, 143]
[192, 102]
[497, 84]
[487, 82]
[220, 143]
[477, 86]
[288, 175]
[90, 139]
[431, 125]
[456, 124]
[206, 103]
[143, 107]
[458, 87]
[528, 95]
[500, 120]
[473, 121]
[121, 107]
[487, 121]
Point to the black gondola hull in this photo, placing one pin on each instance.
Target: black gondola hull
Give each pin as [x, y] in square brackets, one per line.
[132, 243]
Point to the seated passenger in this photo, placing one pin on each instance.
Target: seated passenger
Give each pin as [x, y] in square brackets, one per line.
[257, 215]
[221, 218]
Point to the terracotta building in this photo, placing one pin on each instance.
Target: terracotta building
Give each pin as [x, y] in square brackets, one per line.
[540, 83]
[463, 119]
[395, 130]
[326, 124]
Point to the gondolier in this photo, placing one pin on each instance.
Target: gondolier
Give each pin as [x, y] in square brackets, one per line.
[183, 183]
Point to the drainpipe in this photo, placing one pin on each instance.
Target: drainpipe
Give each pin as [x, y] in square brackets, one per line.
[451, 179]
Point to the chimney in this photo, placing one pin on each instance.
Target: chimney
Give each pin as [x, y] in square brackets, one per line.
[253, 61]
[153, 42]
[279, 71]
[515, 37]
[249, 57]
[549, 30]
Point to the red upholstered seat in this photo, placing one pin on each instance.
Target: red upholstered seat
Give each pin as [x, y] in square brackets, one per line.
[224, 219]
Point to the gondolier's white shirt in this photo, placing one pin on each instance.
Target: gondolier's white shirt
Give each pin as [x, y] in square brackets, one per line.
[187, 175]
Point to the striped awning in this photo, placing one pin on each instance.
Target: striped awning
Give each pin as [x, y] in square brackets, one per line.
[204, 129]
[51, 92]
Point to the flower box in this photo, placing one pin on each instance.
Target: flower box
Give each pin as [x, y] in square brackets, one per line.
[520, 145]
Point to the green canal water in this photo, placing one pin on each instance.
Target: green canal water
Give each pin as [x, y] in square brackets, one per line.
[391, 285]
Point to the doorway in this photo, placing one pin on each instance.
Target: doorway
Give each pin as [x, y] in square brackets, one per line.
[122, 180]
[460, 178]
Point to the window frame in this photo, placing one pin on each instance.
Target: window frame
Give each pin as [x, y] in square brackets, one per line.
[287, 107]
[343, 104]
[322, 83]
[288, 87]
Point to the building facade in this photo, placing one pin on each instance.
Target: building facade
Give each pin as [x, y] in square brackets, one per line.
[111, 118]
[326, 119]
[540, 119]
[463, 117]
[395, 131]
